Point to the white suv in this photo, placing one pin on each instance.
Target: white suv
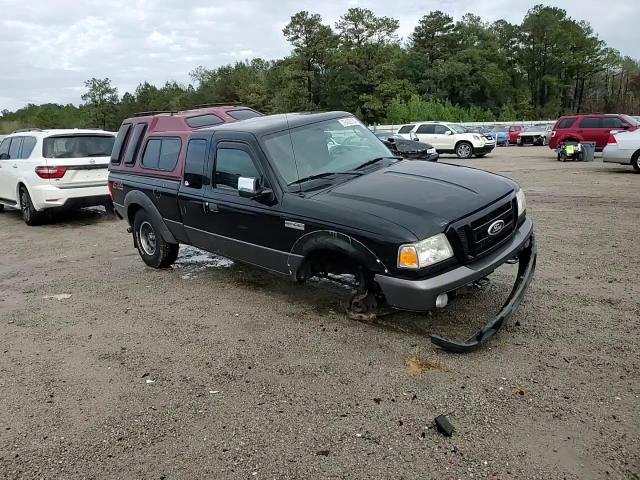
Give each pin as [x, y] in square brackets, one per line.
[42, 169]
[449, 138]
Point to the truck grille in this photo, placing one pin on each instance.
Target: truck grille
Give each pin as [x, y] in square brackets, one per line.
[473, 236]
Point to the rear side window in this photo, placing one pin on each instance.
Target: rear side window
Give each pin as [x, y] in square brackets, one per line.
[440, 129]
[426, 129]
[207, 120]
[78, 146]
[406, 129]
[590, 122]
[28, 144]
[232, 164]
[121, 141]
[243, 114]
[14, 149]
[566, 122]
[4, 147]
[194, 163]
[134, 145]
[610, 122]
[161, 154]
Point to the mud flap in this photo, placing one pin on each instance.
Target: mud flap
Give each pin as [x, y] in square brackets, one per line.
[526, 268]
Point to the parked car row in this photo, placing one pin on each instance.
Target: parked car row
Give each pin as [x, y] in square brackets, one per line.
[449, 138]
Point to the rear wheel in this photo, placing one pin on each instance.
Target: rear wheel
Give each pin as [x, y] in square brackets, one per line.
[1, 207]
[29, 214]
[464, 150]
[635, 162]
[154, 250]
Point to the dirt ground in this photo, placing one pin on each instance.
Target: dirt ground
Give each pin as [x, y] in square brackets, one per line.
[214, 370]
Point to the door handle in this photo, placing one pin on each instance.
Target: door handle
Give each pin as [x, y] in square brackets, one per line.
[209, 207]
[14, 166]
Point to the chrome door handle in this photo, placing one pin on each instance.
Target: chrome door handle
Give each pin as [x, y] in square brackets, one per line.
[15, 166]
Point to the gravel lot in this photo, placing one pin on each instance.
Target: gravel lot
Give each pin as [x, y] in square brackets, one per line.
[214, 370]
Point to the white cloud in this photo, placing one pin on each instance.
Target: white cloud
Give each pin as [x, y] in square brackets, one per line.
[49, 48]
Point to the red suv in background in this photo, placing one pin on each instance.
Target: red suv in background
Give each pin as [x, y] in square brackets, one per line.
[592, 127]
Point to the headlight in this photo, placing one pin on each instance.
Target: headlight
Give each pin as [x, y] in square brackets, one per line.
[424, 253]
[431, 151]
[522, 202]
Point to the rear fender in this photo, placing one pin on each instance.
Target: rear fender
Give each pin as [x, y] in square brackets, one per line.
[137, 199]
[333, 241]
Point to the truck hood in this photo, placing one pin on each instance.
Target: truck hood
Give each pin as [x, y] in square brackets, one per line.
[422, 197]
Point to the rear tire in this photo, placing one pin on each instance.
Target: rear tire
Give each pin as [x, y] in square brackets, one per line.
[635, 162]
[29, 214]
[154, 250]
[464, 150]
[1, 207]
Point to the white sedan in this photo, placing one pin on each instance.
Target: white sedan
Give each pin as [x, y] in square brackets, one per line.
[623, 148]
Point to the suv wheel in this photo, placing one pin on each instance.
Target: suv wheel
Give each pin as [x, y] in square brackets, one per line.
[29, 214]
[1, 207]
[464, 150]
[635, 162]
[153, 249]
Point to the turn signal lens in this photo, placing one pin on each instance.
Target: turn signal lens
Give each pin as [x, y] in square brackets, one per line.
[408, 257]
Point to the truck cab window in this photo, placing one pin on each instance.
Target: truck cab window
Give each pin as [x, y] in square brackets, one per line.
[194, 163]
[231, 164]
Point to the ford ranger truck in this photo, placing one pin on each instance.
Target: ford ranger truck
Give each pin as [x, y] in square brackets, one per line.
[318, 195]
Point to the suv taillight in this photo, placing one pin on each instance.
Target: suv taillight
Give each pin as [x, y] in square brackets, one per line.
[612, 139]
[553, 133]
[51, 172]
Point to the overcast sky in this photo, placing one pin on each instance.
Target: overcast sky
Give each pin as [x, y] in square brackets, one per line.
[49, 47]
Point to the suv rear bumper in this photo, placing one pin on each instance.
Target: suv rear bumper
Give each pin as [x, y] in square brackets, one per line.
[50, 196]
[420, 295]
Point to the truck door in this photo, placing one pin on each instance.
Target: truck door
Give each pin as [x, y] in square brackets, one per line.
[194, 214]
[243, 228]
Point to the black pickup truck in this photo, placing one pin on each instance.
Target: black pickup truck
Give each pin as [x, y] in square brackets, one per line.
[318, 195]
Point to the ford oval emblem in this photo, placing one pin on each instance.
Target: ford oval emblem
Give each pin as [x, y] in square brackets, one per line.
[496, 227]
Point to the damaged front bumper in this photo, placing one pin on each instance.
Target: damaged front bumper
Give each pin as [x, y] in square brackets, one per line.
[421, 295]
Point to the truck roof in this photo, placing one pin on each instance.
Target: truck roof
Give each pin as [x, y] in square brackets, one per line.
[279, 122]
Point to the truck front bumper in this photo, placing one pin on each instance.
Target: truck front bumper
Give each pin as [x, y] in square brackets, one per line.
[420, 295]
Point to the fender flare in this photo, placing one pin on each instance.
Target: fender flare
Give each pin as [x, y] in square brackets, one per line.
[139, 199]
[335, 241]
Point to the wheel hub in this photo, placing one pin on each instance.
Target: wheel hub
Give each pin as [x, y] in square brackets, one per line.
[147, 237]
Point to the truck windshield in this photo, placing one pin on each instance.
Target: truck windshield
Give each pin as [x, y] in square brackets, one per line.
[313, 151]
[78, 146]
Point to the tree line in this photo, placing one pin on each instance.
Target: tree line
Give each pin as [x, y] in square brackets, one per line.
[467, 70]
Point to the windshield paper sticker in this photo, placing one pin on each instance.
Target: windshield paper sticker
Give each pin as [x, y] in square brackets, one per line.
[349, 122]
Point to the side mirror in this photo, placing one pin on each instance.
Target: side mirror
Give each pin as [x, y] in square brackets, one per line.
[249, 187]
[448, 132]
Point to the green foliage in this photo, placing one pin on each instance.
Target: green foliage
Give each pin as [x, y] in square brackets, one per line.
[465, 70]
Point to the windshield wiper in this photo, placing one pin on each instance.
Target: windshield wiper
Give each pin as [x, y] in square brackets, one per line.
[376, 160]
[323, 175]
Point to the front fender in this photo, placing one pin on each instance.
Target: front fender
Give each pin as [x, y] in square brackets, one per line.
[333, 241]
[137, 199]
